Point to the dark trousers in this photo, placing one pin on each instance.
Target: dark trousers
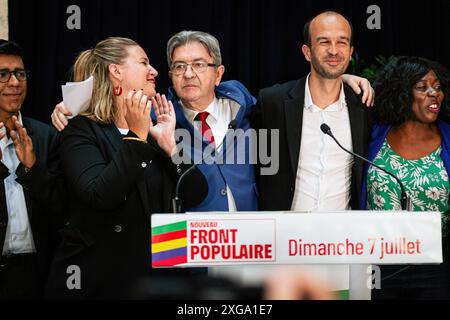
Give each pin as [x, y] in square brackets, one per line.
[416, 282]
[19, 277]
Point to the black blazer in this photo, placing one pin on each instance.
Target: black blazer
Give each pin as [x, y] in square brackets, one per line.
[281, 107]
[115, 185]
[44, 192]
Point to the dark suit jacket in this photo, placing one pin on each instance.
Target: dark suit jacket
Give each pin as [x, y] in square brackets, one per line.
[115, 185]
[281, 107]
[44, 192]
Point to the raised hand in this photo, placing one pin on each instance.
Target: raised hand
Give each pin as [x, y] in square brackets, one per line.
[59, 116]
[164, 131]
[137, 113]
[22, 144]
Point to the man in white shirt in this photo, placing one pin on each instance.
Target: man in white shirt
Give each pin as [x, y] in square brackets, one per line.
[31, 192]
[315, 175]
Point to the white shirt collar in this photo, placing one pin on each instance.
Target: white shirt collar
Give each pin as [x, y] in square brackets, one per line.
[212, 110]
[336, 106]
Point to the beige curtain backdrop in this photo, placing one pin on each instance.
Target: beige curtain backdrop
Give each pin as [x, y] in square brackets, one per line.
[3, 19]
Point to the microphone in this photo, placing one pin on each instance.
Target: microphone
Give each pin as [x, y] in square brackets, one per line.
[176, 201]
[404, 201]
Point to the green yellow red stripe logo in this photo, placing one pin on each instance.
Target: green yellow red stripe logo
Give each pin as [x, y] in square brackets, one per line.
[169, 244]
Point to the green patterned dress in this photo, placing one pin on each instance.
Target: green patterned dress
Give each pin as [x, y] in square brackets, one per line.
[425, 180]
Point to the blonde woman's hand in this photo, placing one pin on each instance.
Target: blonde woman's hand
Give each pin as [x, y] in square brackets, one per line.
[164, 130]
[59, 116]
[137, 113]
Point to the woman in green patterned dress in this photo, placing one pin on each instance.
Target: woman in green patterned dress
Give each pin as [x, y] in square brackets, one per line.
[411, 141]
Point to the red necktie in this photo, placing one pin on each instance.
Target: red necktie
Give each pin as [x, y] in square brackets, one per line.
[206, 129]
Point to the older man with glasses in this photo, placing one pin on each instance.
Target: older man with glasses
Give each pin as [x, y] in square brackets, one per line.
[31, 192]
[205, 107]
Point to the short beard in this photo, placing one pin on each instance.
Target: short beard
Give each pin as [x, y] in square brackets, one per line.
[324, 73]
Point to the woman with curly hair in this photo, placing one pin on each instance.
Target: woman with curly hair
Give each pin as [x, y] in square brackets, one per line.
[411, 141]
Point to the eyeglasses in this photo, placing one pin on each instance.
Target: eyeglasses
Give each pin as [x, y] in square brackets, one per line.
[21, 75]
[180, 68]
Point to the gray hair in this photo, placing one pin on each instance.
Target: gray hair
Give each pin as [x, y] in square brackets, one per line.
[184, 37]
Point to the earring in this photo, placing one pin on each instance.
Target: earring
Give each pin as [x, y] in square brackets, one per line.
[117, 91]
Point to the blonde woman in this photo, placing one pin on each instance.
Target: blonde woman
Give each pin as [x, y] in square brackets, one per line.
[118, 169]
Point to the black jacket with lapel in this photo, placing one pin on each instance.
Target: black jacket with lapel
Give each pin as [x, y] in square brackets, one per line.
[115, 185]
[281, 107]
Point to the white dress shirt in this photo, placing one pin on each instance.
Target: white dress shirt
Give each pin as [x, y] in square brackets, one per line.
[221, 112]
[323, 179]
[324, 172]
[19, 238]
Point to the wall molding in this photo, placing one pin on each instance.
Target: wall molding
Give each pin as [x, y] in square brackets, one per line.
[4, 30]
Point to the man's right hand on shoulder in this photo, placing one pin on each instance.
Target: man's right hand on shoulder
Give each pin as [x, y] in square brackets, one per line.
[59, 116]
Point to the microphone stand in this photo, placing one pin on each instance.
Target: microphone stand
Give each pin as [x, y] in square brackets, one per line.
[405, 202]
[176, 201]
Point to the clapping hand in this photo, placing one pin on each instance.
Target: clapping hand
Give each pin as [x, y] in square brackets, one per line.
[137, 113]
[22, 144]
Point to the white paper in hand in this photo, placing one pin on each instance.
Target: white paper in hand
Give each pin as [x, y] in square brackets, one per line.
[77, 95]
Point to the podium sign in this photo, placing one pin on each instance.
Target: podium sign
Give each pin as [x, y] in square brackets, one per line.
[352, 237]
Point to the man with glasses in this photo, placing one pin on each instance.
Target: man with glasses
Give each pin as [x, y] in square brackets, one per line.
[31, 193]
[206, 105]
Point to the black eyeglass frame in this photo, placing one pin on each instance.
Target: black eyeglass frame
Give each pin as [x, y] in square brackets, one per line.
[15, 72]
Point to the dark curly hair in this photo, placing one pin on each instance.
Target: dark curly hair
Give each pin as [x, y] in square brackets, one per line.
[394, 89]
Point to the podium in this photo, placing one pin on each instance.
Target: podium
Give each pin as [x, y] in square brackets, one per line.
[258, 240]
